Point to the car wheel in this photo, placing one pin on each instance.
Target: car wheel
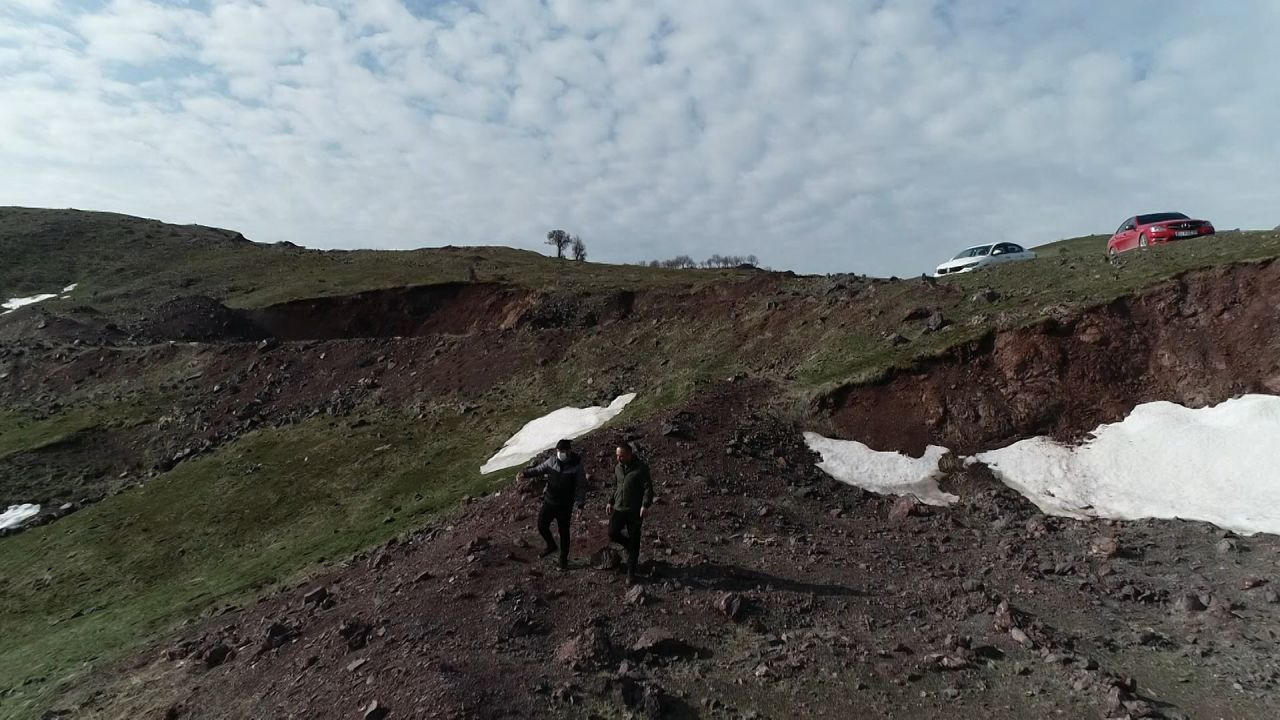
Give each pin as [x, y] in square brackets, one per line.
[1142, 241]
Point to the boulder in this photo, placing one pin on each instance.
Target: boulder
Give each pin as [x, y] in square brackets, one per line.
[589, 650]
[606, 558]
[905, 507]
[730, 605]
[659, 642]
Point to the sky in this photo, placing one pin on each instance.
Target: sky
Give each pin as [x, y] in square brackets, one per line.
[869, 136]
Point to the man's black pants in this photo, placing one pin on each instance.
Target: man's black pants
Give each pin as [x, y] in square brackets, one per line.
[631, 522]
[562, 514]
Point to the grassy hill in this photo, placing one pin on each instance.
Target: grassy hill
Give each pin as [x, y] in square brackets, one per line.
[309, 452]
[127, 262]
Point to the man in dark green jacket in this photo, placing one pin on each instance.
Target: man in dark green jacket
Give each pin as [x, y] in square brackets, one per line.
[629, 503]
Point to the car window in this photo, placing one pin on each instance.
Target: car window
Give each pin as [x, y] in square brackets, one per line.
[980, 251]
[1011, 248]
[1160, 217]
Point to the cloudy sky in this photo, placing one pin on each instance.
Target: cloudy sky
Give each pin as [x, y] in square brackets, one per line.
[845, 135]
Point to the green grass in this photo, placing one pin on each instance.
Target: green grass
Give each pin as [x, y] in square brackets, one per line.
[241, 519]
[21, 432]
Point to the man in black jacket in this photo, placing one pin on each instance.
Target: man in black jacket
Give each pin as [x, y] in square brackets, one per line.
[566, 486]
[629, 503]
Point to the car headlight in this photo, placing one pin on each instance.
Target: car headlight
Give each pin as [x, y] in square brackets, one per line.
[1157, 228]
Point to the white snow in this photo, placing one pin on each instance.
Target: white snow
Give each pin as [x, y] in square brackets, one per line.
[18, 514]
[543, 433]
[886, 473]
[1217, 464]
[69, 288]
[14, 303]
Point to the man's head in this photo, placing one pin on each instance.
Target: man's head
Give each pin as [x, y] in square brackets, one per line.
[563, 448]
[625, 452]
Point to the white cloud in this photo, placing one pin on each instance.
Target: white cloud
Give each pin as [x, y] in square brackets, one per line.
[867, 136]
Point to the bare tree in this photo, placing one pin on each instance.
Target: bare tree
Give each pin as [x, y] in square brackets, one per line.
[560, 240]
[579, 249]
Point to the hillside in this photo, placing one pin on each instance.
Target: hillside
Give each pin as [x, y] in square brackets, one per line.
[224, 420]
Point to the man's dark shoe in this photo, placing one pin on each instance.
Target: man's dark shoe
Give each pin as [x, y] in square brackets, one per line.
[564, 562]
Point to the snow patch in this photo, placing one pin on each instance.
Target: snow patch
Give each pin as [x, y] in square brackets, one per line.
[885, 473]
[1216, 464]
[70, 287]
[18, 514]
[14, 303]
[543, 433]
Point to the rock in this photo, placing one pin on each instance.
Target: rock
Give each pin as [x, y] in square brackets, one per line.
[1003, 620]
[216, 655]
[316, 596]
[1104, 547]
[1251, 582]
[1020, 637]
[375, 711]
[985, 295]
[637, 595]
[905, 507]
[1227, 545]
[277, 634]
[1271, 596]
[645, 698]
[916, 313]
[355, 633]
[606, 558]
[730, 605]
[661, 643]
[895, 339]
[355, 665]
[1191, 603]
[935, 322]
[589, 650]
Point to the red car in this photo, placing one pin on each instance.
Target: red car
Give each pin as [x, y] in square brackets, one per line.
[1146, 230]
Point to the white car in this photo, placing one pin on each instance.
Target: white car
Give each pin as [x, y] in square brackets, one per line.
[980, 256]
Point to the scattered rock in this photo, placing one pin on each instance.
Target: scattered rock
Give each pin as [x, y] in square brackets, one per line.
[916, 313]
[1227, 545]
[375, 711]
